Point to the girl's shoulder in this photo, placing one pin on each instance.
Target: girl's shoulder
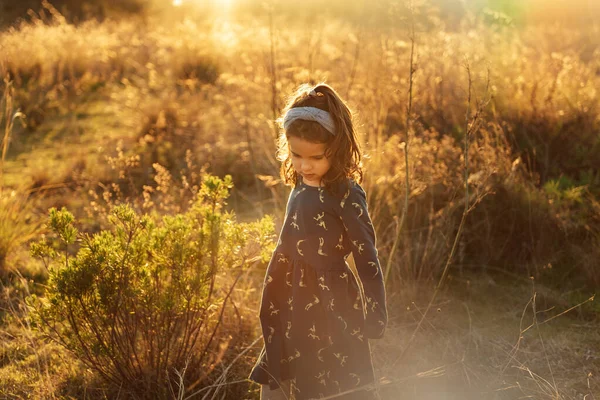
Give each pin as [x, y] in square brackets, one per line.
[352, 186]
[348, 190]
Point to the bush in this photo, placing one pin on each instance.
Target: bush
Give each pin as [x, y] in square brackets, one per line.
[145, 299]
[203, 70]
[73, 11]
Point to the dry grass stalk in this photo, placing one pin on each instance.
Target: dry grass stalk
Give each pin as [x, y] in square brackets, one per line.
[546, 388]
[9, 119]
[471, 125]
[412, 70]
[273, 67]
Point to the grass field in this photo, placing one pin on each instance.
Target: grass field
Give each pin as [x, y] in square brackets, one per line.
[491, 291]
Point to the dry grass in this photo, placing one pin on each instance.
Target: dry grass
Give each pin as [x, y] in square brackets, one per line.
[121, 111]
[486, 341]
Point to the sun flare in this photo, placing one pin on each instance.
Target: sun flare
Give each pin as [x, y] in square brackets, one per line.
[223, 4]
[219, 4]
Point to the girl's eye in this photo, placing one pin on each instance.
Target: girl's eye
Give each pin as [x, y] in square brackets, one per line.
[314, 158]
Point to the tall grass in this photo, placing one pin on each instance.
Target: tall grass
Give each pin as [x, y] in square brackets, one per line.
[7, 118]
[17, 219]
[142, 104]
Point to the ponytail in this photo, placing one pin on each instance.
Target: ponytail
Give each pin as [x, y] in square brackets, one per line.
[345, 142]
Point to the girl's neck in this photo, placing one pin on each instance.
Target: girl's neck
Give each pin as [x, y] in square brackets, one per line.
[303, 182]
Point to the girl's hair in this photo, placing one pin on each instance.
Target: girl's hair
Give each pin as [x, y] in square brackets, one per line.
[343, 149]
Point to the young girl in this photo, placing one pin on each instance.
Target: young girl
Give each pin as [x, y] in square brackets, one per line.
[315, 324]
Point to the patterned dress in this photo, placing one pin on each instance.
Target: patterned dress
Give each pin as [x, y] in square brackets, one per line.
[315, 324]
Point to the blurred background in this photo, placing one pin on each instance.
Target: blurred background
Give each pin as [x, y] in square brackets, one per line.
[152, 103]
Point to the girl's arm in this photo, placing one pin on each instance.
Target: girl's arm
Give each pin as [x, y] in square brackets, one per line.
[359, 228]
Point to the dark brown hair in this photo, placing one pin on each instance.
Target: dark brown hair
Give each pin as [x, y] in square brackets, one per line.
[343, 149]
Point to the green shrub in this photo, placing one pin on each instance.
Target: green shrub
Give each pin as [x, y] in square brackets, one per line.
[144, 300]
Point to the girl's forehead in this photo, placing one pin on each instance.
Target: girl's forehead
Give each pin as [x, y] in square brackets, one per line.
[305, 148]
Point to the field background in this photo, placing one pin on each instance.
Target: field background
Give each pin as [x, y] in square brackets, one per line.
[490, 239]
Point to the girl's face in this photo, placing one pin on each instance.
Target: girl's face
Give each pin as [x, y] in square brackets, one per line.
[309, 160]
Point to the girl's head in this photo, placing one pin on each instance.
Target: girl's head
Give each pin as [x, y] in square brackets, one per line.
[318, 139]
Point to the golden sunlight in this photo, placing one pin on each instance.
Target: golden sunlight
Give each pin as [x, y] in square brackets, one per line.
[223, 5]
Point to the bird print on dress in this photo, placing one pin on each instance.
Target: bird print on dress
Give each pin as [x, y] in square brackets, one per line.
[356, 205]
[320, 221]
[298, 246]
[359, 246]
[344, 321]
[321, 243]
[294, 222]
[340, 245]
[322, 284]
[302, 284]
[345, 227]
[356, 305]
[312, 333]
[337, 385]
[372, 303]
[270, 337]
[345, 198]
[341, 357]
[287, 330]
[374, 265]
[310, 288]
[355, 376]
[316, 301]
[356, 332]
[321, 377]
[292, 357]
[319, 356]
[330, 305]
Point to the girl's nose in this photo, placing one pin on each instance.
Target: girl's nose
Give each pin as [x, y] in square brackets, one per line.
[305, 168]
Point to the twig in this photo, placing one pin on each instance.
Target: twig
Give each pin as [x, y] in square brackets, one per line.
[273, 68]
[227, 369]
[471, 125]
[8, 124]
[354, 63]
[534, 308]
[412, 71]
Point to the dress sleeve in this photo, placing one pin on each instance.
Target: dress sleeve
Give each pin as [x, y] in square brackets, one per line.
[359, 229]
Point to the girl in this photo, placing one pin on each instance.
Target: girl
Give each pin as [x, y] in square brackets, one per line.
[315, 325]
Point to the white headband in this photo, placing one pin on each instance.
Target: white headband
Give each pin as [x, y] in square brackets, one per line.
[309, 114]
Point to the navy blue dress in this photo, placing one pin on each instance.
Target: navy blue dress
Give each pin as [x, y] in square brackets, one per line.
[314, 321]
